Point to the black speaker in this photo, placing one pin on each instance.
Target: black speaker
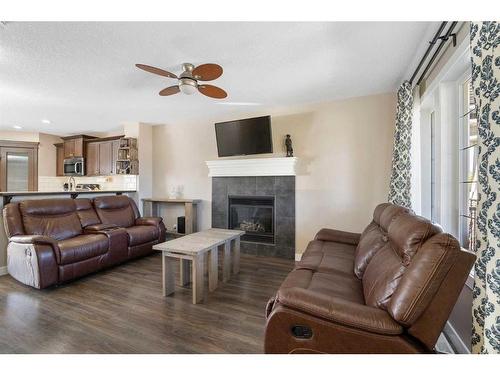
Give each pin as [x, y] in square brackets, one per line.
[181, 224]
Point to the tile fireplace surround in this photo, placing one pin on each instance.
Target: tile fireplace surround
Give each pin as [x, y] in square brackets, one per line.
[231, 183]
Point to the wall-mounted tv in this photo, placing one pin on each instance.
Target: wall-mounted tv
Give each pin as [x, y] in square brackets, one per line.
[244, 137]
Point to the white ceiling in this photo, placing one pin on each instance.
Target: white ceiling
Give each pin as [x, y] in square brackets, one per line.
[81, 76]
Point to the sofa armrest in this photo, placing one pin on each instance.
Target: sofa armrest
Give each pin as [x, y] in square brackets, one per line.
[98, 228]
[34, 240]
[340, 311]
[334, 235]
[154, 221]
[33, 260]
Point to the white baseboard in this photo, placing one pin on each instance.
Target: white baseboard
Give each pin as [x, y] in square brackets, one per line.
[455, 340]
[298, 256]
[3, 271]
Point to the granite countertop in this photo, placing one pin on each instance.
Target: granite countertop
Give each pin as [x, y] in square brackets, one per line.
[8, 195]
[17, 193]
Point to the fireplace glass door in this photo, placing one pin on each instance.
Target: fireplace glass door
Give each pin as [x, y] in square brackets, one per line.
[254, 215]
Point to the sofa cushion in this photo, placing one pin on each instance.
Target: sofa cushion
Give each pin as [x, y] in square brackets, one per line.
[86, 212]
[423, 277]
[408, 232]
[337, 285]
[13, 222]
[333, 235]
[374, 237]
[82, 247]
[372, 240]
[56, 218]
[141, 234]
[389, 214]
[115, 210]
[382, 276]
[338, 310]
[328, 257]
[406, 235]
[326, 247]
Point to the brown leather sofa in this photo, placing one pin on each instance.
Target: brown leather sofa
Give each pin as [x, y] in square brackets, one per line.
[52, 241]
[389, 289]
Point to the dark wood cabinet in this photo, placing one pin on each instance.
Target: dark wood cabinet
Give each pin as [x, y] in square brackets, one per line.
[59, 159]
[92, 159]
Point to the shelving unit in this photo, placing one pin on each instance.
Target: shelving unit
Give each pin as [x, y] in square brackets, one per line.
[127, 161]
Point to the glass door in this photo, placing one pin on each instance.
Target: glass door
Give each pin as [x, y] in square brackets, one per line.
[18, 169]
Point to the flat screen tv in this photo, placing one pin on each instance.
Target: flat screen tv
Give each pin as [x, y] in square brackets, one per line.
[244, 137]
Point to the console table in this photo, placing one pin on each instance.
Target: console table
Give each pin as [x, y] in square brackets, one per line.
[190, 211]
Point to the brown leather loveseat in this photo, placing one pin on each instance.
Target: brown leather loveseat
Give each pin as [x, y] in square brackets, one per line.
[52, 241]
[389, 289]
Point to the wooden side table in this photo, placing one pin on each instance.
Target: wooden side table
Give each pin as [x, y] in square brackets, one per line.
[151, 206]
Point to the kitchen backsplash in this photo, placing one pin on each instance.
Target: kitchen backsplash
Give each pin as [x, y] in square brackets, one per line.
[115, 182]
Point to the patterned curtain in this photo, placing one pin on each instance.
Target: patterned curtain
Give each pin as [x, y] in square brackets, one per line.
[485, 40]
[400, 185]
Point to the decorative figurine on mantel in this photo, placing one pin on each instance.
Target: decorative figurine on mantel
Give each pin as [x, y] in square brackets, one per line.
[289, 148]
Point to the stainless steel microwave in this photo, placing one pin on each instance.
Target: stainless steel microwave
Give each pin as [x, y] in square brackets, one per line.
[74, 167]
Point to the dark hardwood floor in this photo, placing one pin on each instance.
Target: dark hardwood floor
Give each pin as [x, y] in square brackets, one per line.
[121, 310]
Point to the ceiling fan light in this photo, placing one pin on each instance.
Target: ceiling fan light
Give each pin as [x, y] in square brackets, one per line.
[188, 86]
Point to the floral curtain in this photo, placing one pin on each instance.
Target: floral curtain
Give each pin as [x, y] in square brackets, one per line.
[485, 40]
[400, 185]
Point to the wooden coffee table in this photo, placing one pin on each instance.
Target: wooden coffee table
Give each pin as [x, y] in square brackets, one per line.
[192, 248]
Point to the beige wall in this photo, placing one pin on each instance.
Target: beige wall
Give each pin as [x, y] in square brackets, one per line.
[344, 148]
[144, 134]
[46, 150]
[6, 135]
[47, 154]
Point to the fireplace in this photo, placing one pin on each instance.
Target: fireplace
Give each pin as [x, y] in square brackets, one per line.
[253, 214]
[264, 206]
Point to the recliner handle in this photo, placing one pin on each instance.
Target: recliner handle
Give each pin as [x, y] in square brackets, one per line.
[302, 332]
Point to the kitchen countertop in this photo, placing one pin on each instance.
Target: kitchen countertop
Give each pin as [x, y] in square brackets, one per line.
[8, 195]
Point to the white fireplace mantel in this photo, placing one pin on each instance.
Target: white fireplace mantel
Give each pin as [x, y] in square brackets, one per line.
[252, 167]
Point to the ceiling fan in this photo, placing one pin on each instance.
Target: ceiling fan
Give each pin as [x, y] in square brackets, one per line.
[187, 82]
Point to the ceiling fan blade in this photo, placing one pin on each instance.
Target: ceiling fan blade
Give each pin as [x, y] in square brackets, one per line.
[152, 69]
[170, 91]
[212, 91]
[207, 72]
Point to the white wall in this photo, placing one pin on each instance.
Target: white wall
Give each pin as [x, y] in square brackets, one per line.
[344, 148]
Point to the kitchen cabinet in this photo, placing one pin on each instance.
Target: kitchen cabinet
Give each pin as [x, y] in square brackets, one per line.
[59, 159]
[92, 159]
[101, 157]
[73, 148]
[105, 158]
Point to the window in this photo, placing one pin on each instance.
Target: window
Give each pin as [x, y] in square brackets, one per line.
[468, 165]
[434, 211]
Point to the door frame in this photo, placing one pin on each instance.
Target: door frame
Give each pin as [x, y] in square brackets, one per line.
[33, 174]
